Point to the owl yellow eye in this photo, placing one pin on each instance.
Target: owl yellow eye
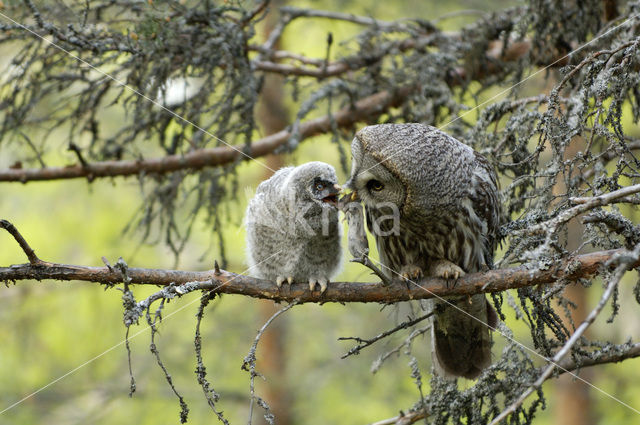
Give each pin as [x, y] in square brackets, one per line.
[375, 185]
[319, 186]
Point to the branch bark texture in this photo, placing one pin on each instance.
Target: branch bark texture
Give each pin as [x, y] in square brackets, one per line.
[226, 282]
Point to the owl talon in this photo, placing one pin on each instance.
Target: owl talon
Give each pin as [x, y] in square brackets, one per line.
[323, 284]
[290, 280]
[312, 283]
[446, 270]
[279, 281]
[410, 272]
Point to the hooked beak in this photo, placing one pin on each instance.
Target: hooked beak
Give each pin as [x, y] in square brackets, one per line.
[353, 196]
[332, 197]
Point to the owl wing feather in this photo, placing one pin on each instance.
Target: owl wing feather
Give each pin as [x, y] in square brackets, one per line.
[485, 199]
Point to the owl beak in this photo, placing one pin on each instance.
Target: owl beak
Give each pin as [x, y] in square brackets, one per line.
[332, 196]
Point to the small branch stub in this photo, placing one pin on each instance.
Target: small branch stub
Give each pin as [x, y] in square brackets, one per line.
[30, 253]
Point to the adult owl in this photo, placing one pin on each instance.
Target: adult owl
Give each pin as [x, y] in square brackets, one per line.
[293, 233]
[433, 206]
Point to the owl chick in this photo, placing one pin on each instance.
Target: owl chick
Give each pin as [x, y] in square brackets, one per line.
[293, 232]
[432, 204]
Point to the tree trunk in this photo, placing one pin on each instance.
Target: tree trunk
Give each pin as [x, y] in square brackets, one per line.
[273, 116]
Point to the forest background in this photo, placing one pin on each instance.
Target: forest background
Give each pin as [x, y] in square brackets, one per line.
[49, 328]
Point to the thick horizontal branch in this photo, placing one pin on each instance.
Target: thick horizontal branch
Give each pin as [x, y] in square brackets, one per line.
[369, 107]
[230, 283]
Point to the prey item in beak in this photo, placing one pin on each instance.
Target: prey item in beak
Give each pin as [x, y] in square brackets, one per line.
[348, 198]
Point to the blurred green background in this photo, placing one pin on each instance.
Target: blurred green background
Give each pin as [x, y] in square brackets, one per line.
[65, 340]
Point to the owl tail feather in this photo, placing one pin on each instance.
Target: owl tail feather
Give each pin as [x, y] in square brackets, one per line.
[461, 345]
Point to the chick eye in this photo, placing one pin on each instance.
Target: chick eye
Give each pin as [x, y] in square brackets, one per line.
[375, 185]
[319, 186]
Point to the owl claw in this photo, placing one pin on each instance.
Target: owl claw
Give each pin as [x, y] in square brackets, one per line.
[281, 279]
[446, 269]
[410, 272]
[312, 283]
[323, 284]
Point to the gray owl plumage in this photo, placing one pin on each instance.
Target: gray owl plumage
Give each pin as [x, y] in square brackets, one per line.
[447, 200]
[293, 232]
[357, 241]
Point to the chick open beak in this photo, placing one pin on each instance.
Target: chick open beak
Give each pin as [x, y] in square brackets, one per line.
[332, 197]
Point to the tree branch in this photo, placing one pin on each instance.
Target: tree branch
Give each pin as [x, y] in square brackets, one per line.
[178, 282]
[363, 343]
[631, 257]
[296, 12]
[366, 108]
[583, 205]
[369, 107]
[568, 365]
[231, 283]
[30, 253]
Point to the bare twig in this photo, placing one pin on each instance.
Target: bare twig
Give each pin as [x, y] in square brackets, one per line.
[363, 343]
[295, 12]
[406, 343]
[607, 198]
[571, 364]
[403, 418]
[30, 253]
[366, 261]
[458, 13]
[73, 147]
[249, 363]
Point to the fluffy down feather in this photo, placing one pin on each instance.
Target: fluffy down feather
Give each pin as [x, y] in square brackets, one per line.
[292, 226]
